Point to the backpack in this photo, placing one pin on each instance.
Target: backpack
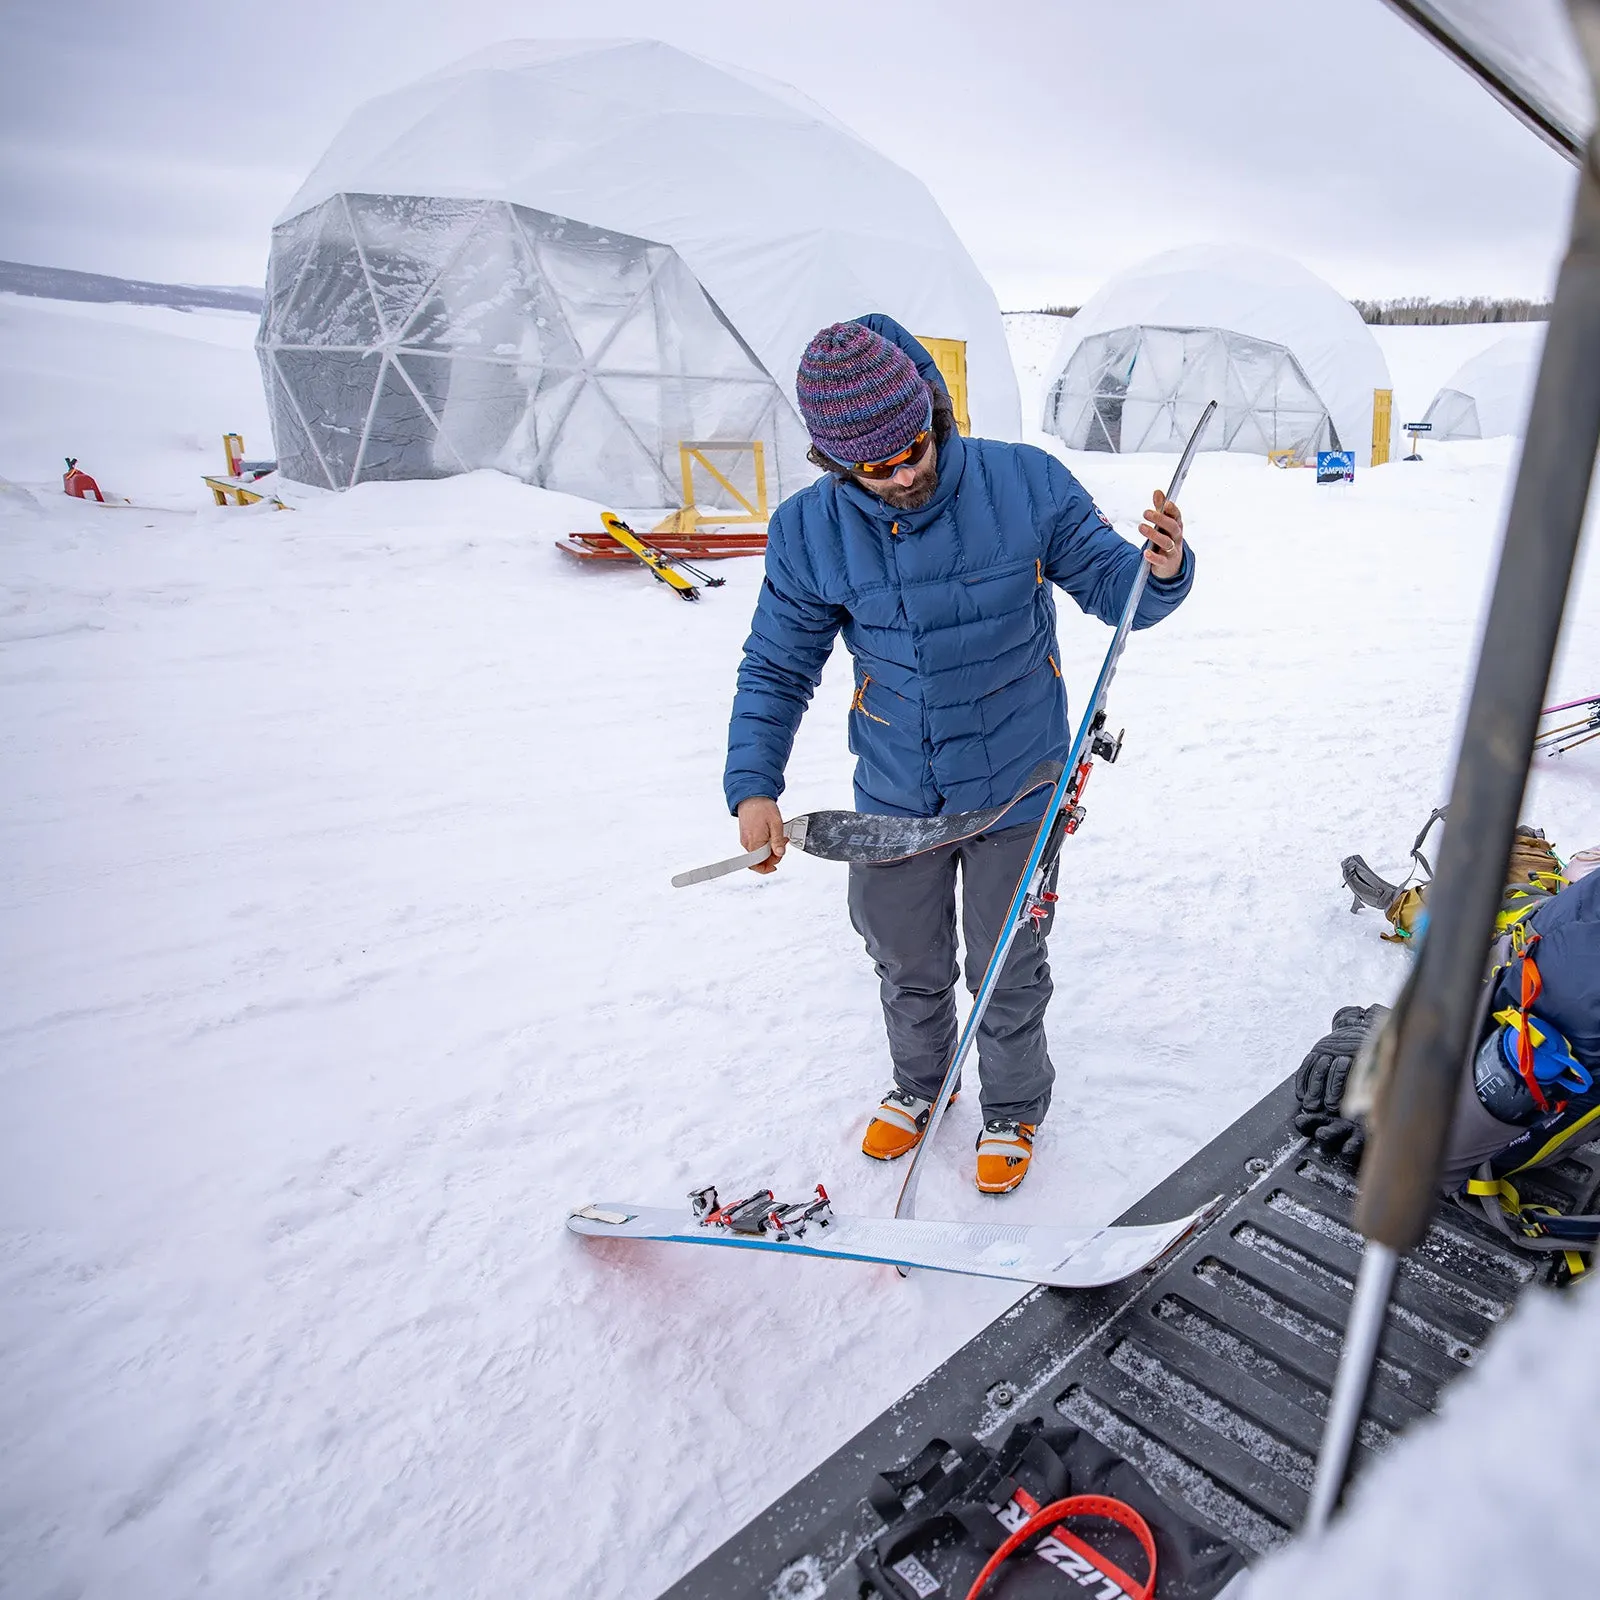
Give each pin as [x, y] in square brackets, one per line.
[1550, 977]
[1533, 875]
[1046, 1514]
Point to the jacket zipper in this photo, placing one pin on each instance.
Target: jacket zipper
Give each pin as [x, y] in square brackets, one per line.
[859, 703]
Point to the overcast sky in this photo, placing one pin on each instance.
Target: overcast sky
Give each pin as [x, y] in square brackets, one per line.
[159, 138]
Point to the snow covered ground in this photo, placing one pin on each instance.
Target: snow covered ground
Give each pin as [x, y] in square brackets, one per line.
[141, 394]
[340, 960]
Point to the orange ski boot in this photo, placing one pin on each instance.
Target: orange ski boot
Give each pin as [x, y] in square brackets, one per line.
[1004, 1150]
[898, 1125]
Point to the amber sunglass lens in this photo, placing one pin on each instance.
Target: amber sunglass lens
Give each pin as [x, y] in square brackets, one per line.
[909, 457]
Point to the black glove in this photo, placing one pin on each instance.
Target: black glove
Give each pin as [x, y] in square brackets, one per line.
[1319, 1084]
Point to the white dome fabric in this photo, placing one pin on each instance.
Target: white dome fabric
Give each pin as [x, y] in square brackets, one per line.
[684, 177]
[1275, 345]
[1489, 395]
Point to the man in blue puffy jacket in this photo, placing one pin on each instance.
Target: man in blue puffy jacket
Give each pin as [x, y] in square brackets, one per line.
[935, 557]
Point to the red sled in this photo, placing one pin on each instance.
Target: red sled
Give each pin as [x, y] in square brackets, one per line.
[698, 547]
[79, 484]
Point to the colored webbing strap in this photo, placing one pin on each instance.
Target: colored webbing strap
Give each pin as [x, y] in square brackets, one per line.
[1421, 839]
[1536, 1227]
[1079, 1505]
[1525, 899]
[1528, 1219]
[1532, 988]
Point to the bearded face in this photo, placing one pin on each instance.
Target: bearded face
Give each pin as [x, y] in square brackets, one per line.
[911, 488]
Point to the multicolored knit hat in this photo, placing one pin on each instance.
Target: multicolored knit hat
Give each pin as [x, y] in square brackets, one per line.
[862, 398]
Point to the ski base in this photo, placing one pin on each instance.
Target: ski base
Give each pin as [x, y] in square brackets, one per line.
[1064, 1257]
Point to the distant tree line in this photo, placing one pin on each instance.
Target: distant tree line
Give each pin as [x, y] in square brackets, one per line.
[1417, 312]
[1414, 311]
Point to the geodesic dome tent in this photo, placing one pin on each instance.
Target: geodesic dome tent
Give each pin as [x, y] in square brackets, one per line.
[1489, 395]
[565, 259]
[1289, 360]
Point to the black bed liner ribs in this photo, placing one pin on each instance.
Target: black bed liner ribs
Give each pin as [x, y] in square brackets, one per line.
[1210, 1372]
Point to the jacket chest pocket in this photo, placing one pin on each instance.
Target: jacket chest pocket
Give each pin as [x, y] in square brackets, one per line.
[1000, 590]
[998, 611]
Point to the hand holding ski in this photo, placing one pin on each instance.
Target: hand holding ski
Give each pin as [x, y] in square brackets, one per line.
[761, 825]
[1163, 531]
[872, 839]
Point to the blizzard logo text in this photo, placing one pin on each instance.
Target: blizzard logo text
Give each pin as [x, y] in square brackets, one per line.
[1011, 1516]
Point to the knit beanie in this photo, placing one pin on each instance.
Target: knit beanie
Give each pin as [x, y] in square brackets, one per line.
[862, 398]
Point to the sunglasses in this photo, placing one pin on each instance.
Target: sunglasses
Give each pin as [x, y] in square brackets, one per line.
[909, 457]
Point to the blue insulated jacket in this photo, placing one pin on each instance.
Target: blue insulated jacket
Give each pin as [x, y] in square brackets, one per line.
[949, 615]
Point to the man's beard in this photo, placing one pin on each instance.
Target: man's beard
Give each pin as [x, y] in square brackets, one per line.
[916, 496]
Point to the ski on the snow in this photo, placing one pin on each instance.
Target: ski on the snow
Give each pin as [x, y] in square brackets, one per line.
[1062, 1256]
[1569, 735]
[662, 566]
[1063, 815]
[867, 836]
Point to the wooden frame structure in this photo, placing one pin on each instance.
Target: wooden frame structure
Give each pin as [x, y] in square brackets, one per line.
[683, 533]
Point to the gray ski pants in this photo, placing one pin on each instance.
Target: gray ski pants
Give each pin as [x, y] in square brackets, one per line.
[906, 913]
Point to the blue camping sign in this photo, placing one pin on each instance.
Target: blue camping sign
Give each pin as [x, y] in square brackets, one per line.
[1336, 466]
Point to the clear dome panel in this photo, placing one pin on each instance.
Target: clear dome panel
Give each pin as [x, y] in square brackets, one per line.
[572, 357]
[492, 301]
[330, 303]
[408, 241]
[477, 404]
[297, 456]
[402, 439]
[333, 390]
[1089, 395]
[595, 453]
[1145, 388]
[292, 247]
[1454, 415]
[599, 278]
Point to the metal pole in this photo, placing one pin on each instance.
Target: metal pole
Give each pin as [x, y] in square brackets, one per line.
[1429, 1034]
[1373, 1283]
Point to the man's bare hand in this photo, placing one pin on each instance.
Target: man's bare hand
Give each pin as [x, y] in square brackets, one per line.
[761, 823]
[1163, 527]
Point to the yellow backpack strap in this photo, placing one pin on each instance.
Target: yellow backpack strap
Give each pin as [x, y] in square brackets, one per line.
[1523, 1222]
[1503, 1208]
